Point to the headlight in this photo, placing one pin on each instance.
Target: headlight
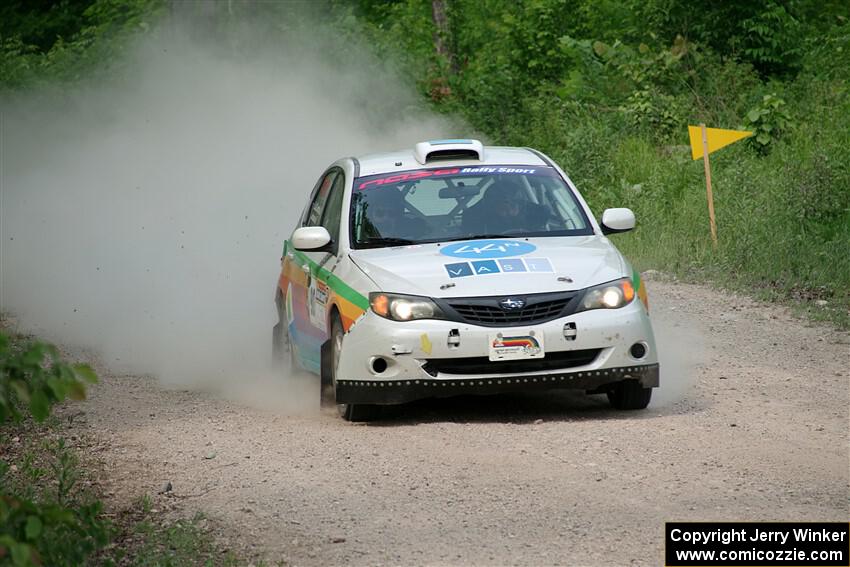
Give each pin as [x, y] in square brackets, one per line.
[611, 295]
[404, 307]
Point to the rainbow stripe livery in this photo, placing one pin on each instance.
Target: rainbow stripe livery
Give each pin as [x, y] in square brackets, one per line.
[307, 328]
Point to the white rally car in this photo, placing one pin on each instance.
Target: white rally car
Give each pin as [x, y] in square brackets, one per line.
[454, 269]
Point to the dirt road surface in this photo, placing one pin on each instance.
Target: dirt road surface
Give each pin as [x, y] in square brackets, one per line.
[756, 428]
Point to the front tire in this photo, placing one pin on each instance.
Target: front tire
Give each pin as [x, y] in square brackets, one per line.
[278, 346]
[629, 395]
[283, 352]
[349, 412]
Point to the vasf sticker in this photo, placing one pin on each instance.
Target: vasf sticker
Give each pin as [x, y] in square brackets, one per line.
[483, 267]
[458, 270]
[489, 267]
[512, 265]
[539, 265]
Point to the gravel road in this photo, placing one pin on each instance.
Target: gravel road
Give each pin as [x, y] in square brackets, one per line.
[751, 423]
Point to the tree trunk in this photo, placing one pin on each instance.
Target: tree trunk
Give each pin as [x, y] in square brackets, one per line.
[441, 31]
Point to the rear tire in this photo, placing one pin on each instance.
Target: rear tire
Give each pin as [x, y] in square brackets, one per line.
[349, 412]
[629, 395]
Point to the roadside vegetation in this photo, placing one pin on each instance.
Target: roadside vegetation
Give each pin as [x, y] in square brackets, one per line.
[45, 518]
[607, 88]
[50, 509]
[47, 43]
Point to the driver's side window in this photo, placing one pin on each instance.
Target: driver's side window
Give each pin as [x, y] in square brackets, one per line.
[326, 207]
[317, 207]
[333, 209]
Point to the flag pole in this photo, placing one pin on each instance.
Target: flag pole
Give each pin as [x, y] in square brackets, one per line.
[708, 186]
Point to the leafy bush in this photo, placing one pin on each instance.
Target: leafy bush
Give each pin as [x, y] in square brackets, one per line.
[35, 376]
[767, 120]
[51, 530]
[44, 527]
[42, 42]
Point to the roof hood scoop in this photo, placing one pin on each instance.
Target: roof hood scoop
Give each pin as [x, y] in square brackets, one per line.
[437, 150]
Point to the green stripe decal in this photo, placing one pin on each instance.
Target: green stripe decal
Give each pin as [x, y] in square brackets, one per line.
[339, 287]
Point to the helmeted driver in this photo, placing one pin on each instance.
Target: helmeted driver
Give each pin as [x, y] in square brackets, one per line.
[503, 208]
[385, 216]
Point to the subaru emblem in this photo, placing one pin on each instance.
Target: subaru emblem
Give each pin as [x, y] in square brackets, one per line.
[511, 303]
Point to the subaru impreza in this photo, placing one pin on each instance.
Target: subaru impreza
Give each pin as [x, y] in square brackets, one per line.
[455, 268]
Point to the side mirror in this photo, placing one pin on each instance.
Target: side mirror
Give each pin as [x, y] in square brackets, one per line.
[617, 220]
[310, 238]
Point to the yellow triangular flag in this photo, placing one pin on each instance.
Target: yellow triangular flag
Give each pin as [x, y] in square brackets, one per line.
[717, 138]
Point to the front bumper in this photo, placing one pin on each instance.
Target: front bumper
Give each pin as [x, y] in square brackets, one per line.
[416, 353]
[403, 391]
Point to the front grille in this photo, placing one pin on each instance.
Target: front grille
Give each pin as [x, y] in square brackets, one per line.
[486, 311]
[493, 315]
[483, 365]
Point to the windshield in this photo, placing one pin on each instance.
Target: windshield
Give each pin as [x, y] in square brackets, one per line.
[458, 203]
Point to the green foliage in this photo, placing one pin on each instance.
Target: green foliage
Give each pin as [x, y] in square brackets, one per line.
[611, 97]
[44, 517]
[34, 376]
[38, 526]
[769, 39]
[766, 34]
[40, 22]
[50, 534]
[45, 41]
[767, 120]
[650, 110]
[182, 543]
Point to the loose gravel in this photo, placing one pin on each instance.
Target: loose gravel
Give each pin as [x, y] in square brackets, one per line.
[751, 423]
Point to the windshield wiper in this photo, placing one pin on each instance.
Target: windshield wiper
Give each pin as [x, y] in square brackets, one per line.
[481, 236]
[387, 241]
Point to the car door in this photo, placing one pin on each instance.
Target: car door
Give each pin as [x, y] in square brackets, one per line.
[310, 301]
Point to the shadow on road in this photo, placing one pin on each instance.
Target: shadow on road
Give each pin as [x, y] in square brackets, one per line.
[518, 408]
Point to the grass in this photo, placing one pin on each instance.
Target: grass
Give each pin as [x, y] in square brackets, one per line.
[148, 542]
[41, 467]
[51, 508]
[777, 241]
[783, 218]
[51, 511]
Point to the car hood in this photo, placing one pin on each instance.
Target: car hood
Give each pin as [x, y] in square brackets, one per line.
[493, 267]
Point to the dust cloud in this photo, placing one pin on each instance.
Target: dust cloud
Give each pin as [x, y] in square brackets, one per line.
[144, 217]
[681, 352]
